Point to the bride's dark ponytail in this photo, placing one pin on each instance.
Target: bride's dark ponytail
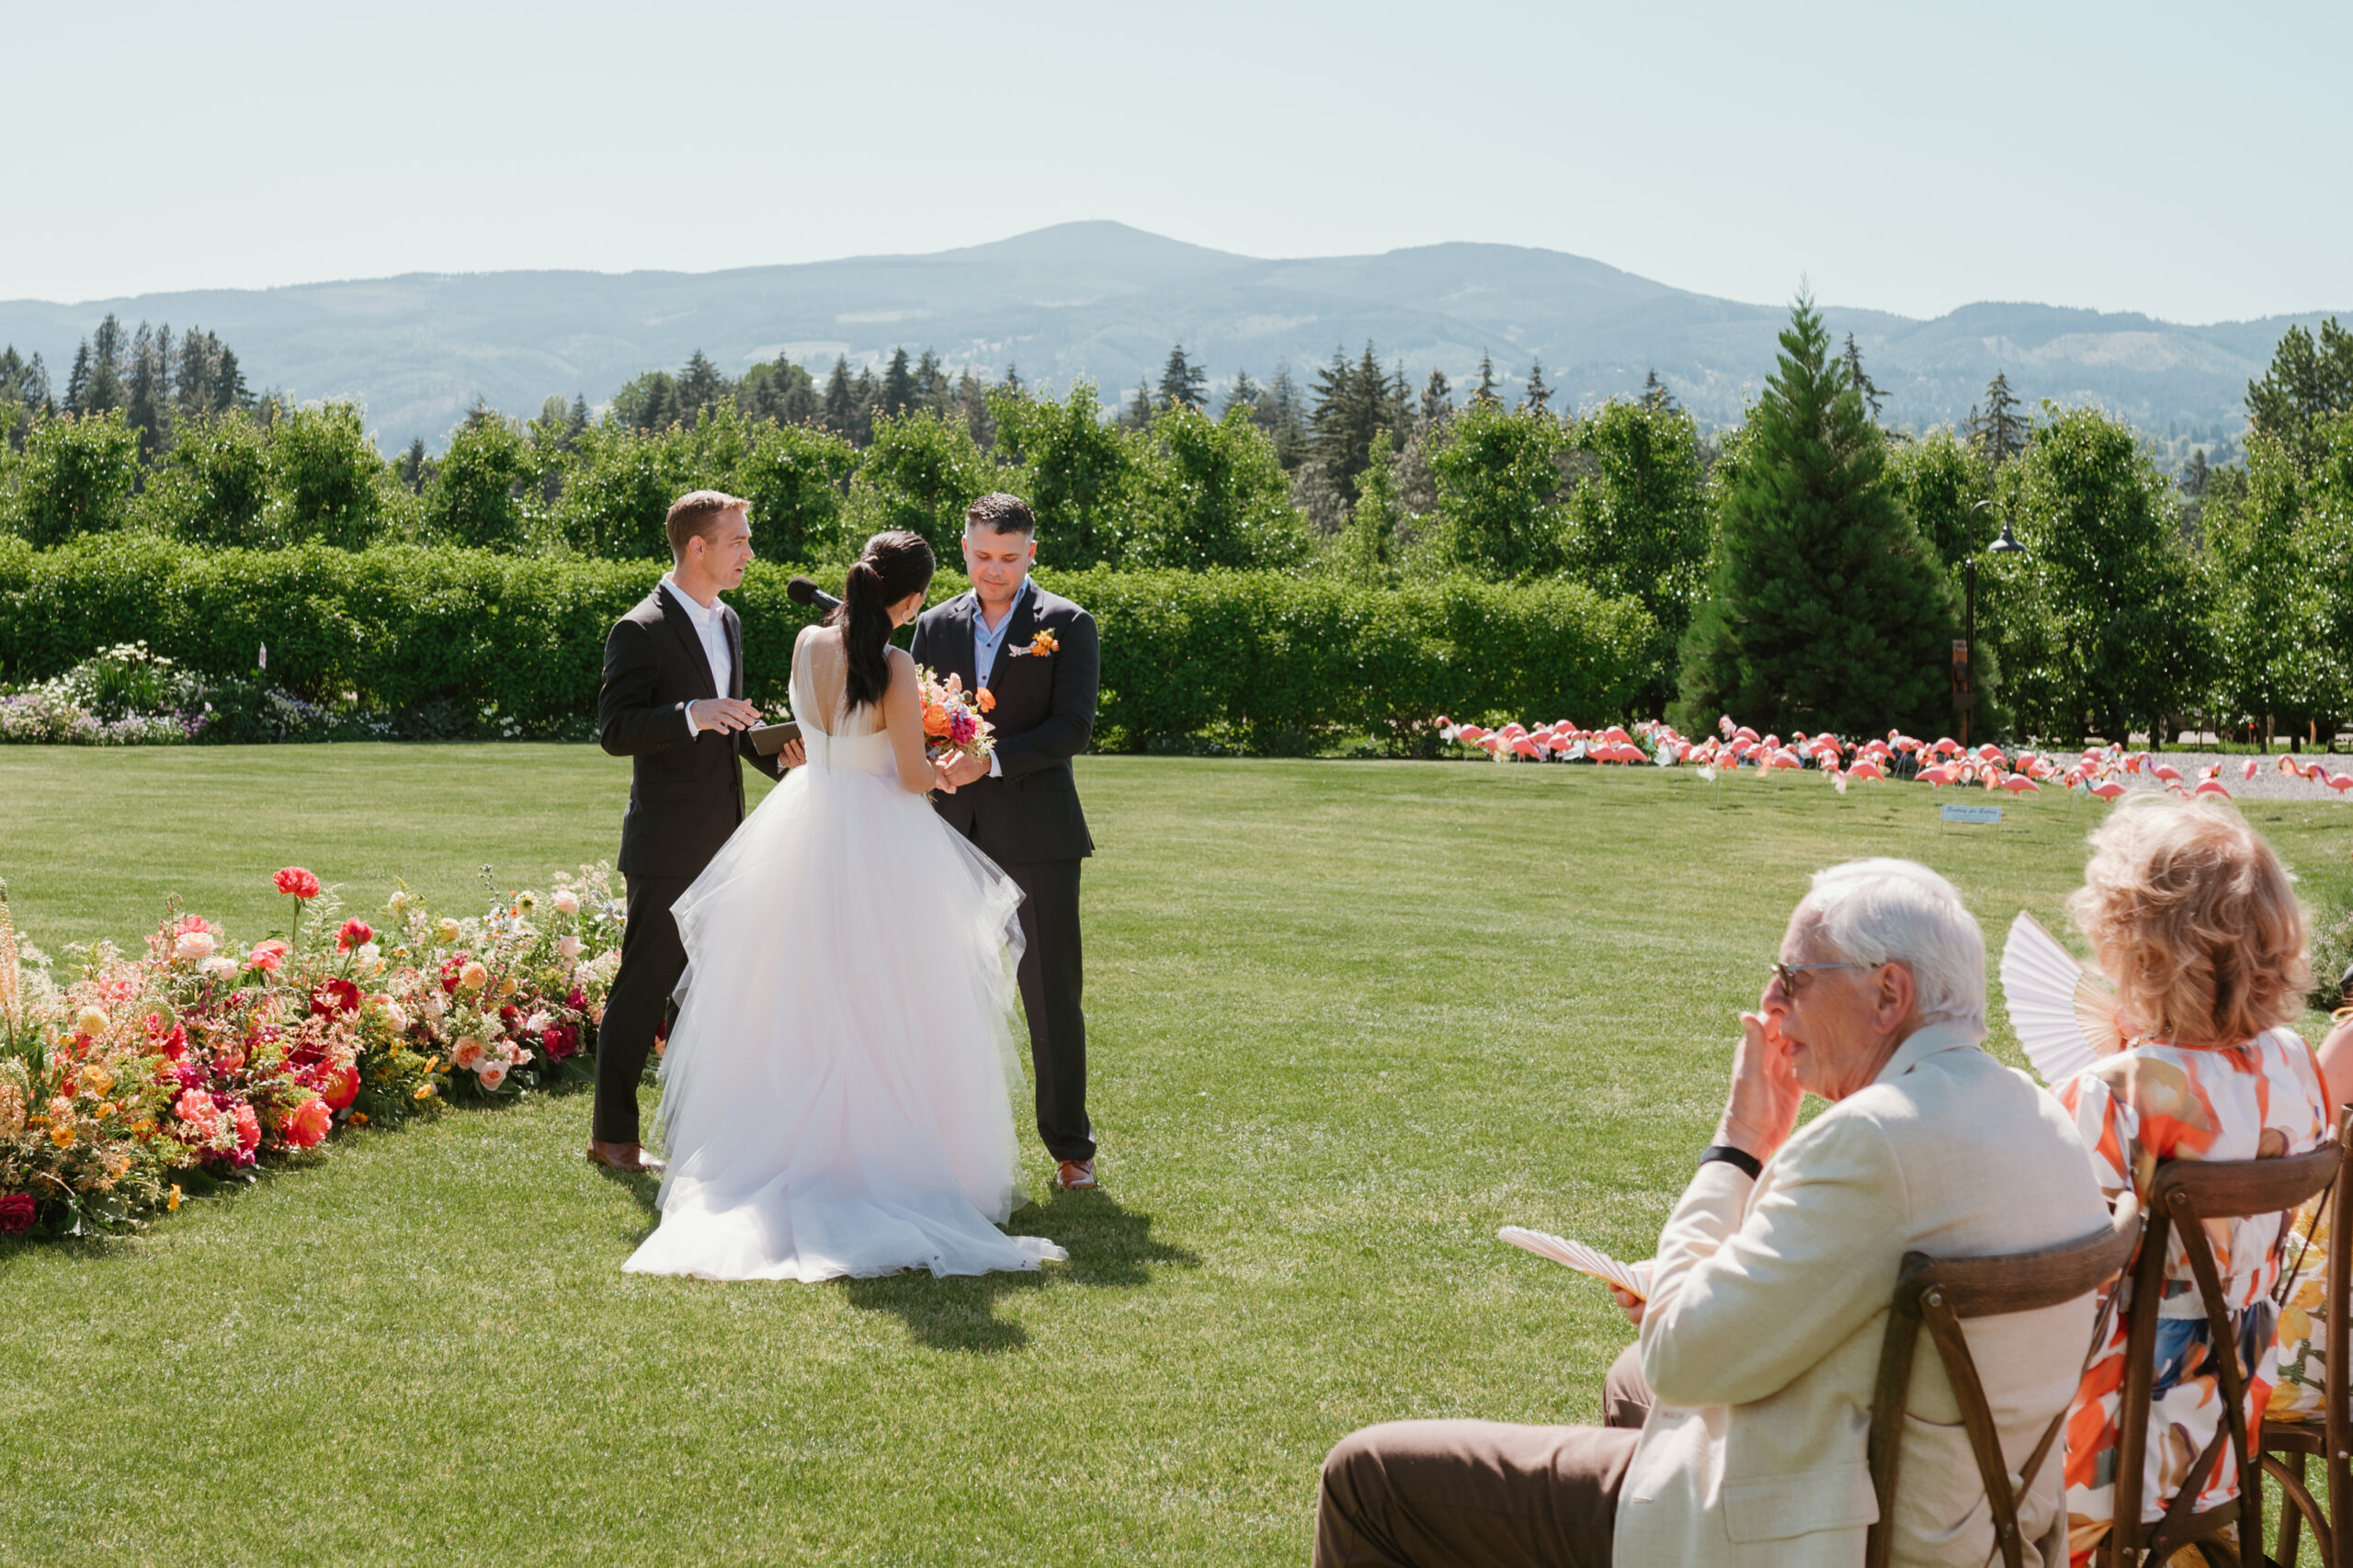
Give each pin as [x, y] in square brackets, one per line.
[895, 564]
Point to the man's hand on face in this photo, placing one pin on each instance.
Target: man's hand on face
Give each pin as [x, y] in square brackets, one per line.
[1762, 1109]
[961, 769]
[724, 714]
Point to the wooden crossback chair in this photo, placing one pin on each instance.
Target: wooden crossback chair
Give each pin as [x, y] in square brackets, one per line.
[2185, 1193]
[1937, 1294]
[2288, 1445]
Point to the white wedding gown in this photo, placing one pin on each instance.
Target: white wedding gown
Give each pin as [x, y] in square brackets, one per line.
[835, 1094]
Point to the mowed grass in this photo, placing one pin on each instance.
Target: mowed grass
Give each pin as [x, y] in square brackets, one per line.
[1347, 1018]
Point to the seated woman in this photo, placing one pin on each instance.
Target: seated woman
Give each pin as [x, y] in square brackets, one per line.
[2195, 921]
[2304, 1312]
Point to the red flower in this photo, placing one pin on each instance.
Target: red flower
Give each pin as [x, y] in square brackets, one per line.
[307, 1127]
[295, 880]
[16, 1213]
[559, 1040]
[334, 995]
[341, 1089]
[353, 934]
[174, 1044]
[248, 1127]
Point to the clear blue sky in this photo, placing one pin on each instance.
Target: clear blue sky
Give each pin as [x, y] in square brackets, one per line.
[2188, 161]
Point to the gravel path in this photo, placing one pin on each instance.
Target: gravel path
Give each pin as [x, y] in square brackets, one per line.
[2268, 783]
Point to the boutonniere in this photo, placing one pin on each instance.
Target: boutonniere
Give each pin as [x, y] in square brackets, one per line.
[1039, 645]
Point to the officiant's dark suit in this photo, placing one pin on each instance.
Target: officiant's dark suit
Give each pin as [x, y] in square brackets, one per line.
[686, 797]
[1028, 820]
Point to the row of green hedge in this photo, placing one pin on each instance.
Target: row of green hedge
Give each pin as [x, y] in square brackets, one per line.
[1256, 660]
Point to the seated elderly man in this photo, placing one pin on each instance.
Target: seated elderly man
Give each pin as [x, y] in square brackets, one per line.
[1750, 1383]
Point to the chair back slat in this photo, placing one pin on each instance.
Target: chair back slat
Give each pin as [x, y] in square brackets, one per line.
[2184, 1193]
[1937, 1294]
[2286, 1444]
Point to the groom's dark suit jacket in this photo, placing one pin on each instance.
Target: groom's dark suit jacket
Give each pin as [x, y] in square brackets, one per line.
[1044, 716]
[685, 793]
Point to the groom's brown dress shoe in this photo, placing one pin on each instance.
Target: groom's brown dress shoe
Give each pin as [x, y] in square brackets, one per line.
[626, 1158]
[1075, 1175]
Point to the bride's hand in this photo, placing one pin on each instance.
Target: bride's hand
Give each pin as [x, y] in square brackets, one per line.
[941, 779]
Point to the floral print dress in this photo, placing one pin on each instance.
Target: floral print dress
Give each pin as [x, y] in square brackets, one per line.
[2157, 1102]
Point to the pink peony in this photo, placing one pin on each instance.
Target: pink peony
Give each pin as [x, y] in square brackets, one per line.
[354, 934]
[569, 946]
[16, 1213]
[249, 1126]
[267, 955]
[493, 1074]
[566, 902]
[297, 881]
[307, 1127]
[194, 945]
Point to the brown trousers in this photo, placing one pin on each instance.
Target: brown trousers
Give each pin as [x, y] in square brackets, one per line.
[1481, 1494]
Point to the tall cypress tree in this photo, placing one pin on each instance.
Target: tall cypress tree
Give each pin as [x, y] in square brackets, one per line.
[1825, 609]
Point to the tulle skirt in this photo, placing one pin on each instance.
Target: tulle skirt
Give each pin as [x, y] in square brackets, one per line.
[836, 1091]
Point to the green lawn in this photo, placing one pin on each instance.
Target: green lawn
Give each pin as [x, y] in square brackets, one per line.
[1348, 1018]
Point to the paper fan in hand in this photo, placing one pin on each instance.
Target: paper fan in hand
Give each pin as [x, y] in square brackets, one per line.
[2064, 1015]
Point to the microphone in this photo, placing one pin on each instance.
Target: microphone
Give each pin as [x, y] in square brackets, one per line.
[802, 591]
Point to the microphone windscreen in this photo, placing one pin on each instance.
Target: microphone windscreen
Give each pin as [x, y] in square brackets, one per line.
[802, 591]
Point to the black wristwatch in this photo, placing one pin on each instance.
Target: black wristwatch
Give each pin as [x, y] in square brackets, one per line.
[1741, 1158]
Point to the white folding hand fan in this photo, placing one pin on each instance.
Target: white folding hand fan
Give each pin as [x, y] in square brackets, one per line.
[2063, 1013]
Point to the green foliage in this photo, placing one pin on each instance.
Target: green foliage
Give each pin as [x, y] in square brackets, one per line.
[619, 483]
[1942, 482]
[74, 477]
[1085, 477]
[1368, 546]
[1637, 520]
[793, 476]
[1497, 475]
[1353, 404]
[919, 474]
[1261, 660]
[214, 485]
[326, 481]
[1827, 610]
[479, 498]
[1224, 500]
[2309, 381]
[2278, 572]
[2099, 623]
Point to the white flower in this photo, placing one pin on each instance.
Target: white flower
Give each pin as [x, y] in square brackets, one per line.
[194, 945]
[535, 1023]
[566, 902]
[220, 966]
[570, 947]
[492, 1075]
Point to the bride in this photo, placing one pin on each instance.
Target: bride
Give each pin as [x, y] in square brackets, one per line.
[834, 1095]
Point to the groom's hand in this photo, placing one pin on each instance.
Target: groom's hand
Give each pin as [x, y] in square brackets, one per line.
[963, 770]
[724, 714]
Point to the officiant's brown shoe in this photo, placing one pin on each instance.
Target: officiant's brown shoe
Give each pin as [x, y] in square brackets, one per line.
[626, 1158]
[1075, 1175]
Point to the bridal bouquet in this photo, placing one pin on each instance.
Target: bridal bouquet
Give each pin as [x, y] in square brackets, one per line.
[952, 725]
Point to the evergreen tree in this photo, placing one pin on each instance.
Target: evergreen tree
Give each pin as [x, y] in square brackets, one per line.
[96, 385]
[972, 401]
[1484, 395]
[899, 388]
[1013, 378]
[1438, 398]
[1245, 393]
[1137, 415]
[1865, 388]
[1999, 433]
[866, 400]
[2308, 382]
[1655, 395]
[1181, 382]
[412, 468]
[700, 386]
[1539, 395]
[931, 382]
[1353, 404]
[1825, 610]
[649, 402]
[1282, 414]
[1370, 538]
[840, 412]
[147, 391]
[575, 420]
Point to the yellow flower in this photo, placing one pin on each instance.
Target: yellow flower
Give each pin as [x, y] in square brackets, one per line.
[447, 930]
[172, 1203]
[473, 976]
[62, 1134]
[425, 1091]
[96, 1077]
[91, 1021]
[359, 1119]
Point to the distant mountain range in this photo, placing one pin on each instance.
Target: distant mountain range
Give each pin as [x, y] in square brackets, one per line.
[1104, 301]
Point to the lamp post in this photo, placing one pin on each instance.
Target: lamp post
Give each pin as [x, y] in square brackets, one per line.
[1964, 674]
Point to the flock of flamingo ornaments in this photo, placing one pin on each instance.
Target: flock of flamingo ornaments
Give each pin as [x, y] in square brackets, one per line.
[2097, 771]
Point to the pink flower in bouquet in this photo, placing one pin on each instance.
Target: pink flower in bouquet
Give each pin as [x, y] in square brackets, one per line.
[493, 1074]
[297, 881]
[963, 725]
[269, 954]
[569, 947]
[559, 1040]
[195, 946]
[248, 1127]
[16, 1213]
[307, 1127]
[566, 902]
[469, 1053]
[194, 1107]
[354, 932]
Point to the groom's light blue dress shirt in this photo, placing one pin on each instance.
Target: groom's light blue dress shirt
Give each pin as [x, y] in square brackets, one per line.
[985, 643]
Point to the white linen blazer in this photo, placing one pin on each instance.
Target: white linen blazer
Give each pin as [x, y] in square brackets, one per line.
[1769, 1298]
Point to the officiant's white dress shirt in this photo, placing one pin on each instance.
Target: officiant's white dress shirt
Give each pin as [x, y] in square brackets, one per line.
[710, 628]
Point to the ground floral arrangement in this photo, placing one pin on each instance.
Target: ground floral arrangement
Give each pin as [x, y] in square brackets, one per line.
[129, 1080]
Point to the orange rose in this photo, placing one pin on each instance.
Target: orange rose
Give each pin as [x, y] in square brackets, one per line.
[985, 700]
[936, 721]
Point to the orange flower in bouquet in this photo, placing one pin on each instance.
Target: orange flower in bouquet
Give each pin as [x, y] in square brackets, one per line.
[953, 719]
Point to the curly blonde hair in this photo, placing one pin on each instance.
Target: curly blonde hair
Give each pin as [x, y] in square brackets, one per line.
[2196, 921]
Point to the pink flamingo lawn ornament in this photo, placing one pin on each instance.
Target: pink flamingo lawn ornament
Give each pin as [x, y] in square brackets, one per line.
[2108, 789]
[2251, 765]
[2211, 787]
[2019, 784]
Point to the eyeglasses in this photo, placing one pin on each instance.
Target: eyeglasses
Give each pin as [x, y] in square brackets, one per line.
[1788, 972]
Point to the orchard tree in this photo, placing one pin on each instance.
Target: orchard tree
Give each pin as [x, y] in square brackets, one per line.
[1368, 543]
[326, 478]
[1498, 476]
[1942, 482]
[2310, 380]
[1638, 517]
[74, 477]
[477, 499]
[1085, 480]
[1825, 609]
[919, 474]
[212, 487]
[1223, 498]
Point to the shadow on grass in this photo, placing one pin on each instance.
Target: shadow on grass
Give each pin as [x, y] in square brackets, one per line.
[1108, 1246]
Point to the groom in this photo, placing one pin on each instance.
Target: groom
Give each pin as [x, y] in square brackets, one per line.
[1036, 653]
[672, 701]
